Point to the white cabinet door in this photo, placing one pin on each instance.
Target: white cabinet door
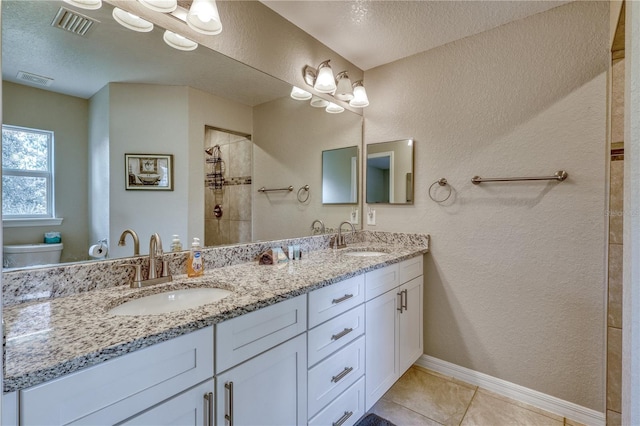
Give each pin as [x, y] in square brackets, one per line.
[194, 407]
[270, 389]
[410, 325]
[382, 358]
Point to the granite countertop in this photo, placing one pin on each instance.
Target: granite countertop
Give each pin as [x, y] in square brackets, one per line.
[51, 338]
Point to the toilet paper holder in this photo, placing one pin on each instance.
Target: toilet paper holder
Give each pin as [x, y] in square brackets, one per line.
[99, 250]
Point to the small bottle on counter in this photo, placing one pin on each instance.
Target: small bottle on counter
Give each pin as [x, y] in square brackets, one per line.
[176, 244]
[195, 264]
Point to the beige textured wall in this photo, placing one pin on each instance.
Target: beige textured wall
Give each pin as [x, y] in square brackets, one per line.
[288, 138]
[67, 117]
[515, 281]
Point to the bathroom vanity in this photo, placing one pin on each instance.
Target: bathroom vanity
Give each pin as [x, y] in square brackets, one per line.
[316, 341]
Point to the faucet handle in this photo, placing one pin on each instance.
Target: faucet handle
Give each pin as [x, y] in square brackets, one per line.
[165, 269]
[137, 278]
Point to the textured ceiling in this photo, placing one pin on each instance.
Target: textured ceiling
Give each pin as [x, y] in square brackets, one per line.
[81, 66]
[371, 33]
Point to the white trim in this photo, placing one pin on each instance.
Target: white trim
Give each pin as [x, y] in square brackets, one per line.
[18, 223]
[511, 390]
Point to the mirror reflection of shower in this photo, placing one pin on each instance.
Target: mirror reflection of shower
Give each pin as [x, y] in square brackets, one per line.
[228, 165]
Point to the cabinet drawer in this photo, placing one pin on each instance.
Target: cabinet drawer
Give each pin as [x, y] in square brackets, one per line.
[335, 334]
[327, 302]
[121, 387]
[248, 335]
[345, 410]
[381, 280]
[335, 374]
[410, 269]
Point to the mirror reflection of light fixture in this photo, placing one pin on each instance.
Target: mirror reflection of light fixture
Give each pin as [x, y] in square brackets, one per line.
[317, 102]
[344, 91]
[300, 95]
[163, 6]
[325, 81]
[179, 42]
[334, 109]
[131, 21]
[85, 4]
[204, 18]
[360, 99]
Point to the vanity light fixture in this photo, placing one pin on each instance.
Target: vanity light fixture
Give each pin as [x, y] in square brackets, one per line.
[334, 108]
[360, 99]
[317, 102]
[324, 82]
[344, 90]
[162, 6]
[131, 21]
[204, 18]
[85, 4]
[179, 42]
[300, 95]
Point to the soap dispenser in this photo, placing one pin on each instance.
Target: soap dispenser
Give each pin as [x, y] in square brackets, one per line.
[195, 264]
[176, 244]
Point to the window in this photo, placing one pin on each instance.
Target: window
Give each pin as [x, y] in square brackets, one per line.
[27, 173]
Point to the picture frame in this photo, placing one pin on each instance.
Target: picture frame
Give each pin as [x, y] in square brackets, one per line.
[148, 172]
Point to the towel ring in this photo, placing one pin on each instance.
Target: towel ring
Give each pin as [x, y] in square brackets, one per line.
[306, 189]
[441, 182]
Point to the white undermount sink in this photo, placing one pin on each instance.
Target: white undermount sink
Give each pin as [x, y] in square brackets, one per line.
[170, 301]
[364, 253]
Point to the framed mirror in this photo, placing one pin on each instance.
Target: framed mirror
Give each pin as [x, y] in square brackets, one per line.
[340, 176]
[390, 172]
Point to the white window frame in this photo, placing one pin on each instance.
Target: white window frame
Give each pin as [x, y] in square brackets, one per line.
[47, 218]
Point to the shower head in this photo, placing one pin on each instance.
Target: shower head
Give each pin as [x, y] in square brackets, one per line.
[209, 150]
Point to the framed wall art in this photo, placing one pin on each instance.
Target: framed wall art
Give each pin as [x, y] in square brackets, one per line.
[149, 172]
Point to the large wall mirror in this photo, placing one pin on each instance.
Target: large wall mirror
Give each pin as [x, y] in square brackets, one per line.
[390, 172]
[340, 176]
[114, 91]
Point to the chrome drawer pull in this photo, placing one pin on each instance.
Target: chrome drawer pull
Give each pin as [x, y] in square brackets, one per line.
[209, 398]
[343, 419]
[406, 296]
[401, 306]
[341, 376]
[229, 417]
[342, 299]
[341, 334]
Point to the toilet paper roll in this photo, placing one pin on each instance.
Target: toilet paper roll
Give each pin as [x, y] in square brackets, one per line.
[98, 251]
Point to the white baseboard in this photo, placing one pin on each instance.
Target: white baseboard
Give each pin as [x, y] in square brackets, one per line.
[511, 390]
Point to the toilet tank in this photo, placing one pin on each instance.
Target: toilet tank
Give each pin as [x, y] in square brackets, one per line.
[18, 255]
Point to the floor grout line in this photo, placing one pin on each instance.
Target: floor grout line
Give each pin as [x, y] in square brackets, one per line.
[475, 392]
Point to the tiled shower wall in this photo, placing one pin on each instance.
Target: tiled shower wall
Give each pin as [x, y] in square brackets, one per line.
[234, 226]
[614, 318]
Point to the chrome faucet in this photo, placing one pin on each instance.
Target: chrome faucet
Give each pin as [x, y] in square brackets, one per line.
[155, 249]
[136, 240]
[321, 226]
[340, 242]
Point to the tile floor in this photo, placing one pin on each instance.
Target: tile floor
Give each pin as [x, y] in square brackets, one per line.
[425, 398]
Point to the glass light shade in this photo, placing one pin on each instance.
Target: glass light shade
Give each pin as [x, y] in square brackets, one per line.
[178, 42]
[360, 99]
[317, 102]
[344, 92]
[300, 95]
[334, 109]
[85, 4]
[162, 6]
[131, 21]
[204, 18]
[325, 82]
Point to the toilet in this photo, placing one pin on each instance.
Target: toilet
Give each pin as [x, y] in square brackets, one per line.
[18, 255]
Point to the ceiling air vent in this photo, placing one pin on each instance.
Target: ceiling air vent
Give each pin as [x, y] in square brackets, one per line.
[73, 22]
[34, 79]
